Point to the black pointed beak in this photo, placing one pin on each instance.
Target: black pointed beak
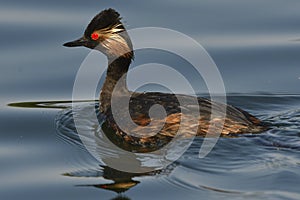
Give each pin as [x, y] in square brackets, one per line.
[77, 43]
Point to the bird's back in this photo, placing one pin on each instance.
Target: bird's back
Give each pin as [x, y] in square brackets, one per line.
[181, 116]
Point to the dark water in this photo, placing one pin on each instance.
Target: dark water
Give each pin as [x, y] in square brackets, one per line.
[253, 44]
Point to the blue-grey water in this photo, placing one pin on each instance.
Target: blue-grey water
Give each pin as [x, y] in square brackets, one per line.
[254, 44]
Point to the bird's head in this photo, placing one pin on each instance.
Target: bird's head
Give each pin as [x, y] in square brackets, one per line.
[107, 34]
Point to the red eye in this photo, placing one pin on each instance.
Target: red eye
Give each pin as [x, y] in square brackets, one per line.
[95, 36]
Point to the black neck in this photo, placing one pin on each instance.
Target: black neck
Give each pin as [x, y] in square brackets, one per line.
[116, 73]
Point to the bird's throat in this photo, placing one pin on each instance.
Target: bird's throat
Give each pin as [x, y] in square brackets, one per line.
[115, 81]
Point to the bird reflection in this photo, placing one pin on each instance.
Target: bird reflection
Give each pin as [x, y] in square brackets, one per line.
[122, 181]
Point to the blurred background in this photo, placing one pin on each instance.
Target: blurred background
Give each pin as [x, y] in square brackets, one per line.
[253, 43]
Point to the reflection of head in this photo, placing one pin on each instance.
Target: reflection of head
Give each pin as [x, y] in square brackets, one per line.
[118, 187]
[122, 180]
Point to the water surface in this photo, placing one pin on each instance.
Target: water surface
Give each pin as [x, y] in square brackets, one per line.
[253, 44]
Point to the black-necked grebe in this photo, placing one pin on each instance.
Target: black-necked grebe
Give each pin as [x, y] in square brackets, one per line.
[107, 34]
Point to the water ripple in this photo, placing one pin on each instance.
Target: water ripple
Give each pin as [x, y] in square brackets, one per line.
[235, 167]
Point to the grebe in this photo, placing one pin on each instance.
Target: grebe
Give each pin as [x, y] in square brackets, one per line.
[107, 34]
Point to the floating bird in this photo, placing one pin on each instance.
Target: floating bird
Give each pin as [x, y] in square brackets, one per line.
[107, 34]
